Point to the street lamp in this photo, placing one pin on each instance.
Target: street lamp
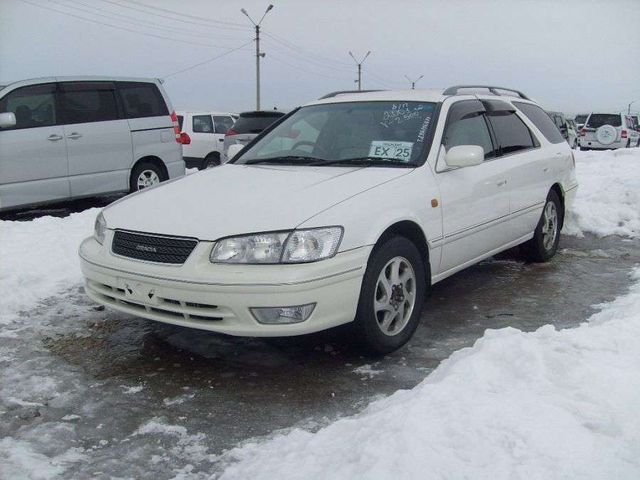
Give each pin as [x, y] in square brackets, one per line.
[359, 63]
[258, 53]
[629, 107]
[413, 82]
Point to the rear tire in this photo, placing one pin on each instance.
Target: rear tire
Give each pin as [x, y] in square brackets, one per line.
[391, 297]
[544, 244]
[145, 175]
[211, 160]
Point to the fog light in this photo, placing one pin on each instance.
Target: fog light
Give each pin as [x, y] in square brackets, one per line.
[280, 315]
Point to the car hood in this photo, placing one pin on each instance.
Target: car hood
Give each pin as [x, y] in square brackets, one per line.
[236, 199]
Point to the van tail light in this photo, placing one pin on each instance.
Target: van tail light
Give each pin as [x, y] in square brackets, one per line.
[623, 134]
[185, 139]
[230, 133]
[176, 126]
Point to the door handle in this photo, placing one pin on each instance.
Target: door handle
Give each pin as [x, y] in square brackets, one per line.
[221, 139]
[54, 137]
[74, 135]
[501, 183]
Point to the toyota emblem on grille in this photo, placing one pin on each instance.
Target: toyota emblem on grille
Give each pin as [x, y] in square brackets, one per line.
[146, 248]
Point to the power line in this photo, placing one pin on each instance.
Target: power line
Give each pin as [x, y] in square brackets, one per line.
[208, 61]
[173, 12]
[119, 27]
[303, 51]
[174, 17]
[297, 68]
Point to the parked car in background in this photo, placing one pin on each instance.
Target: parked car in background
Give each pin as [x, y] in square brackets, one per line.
[248, 126]
[345, 212]
[603, 131]
[567, 130]
[572, 133]
[202, 137]
[580, 119]
[71, 137]
[636, 121]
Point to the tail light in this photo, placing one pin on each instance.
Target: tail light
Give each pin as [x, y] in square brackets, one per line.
[583, 132]
[185, 139]
[230, 133]
[623, 134]
[176, 126]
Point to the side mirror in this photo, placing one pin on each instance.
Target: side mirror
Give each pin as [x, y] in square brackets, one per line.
[7, 120]
[234, 150]
[464, 156]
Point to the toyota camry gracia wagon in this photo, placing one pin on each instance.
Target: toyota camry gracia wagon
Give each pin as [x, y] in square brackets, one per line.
[344, 211]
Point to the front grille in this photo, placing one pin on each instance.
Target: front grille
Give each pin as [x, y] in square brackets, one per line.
[152, 248]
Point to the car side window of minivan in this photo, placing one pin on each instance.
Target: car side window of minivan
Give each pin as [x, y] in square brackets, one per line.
[84, 102]
[222, 123]
[141, 99]
[466, 125]
[34, 106]
[511, 132]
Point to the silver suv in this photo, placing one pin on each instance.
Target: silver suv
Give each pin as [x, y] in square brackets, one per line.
[71, 137]
[603, 131]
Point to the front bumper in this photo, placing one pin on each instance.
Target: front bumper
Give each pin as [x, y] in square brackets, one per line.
[213, 297]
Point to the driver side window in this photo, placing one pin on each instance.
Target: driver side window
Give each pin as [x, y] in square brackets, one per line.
[466, 125]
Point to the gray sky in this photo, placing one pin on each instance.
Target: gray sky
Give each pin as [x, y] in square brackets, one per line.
[569, 55]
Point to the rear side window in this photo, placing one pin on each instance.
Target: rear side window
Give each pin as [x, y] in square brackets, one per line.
[253, 123]
[581, 118]
[511, 133]
[542, 121]
[222, 123]
[84, 102]
[141, 99]
[202, 124]
[33, 106]
[596, 120]
[466, 125]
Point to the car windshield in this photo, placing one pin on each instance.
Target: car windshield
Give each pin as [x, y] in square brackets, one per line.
[597, 120]
[380, 133]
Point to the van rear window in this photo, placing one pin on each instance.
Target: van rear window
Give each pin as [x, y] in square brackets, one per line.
[141, 99]
[597, 120]
[255, 122]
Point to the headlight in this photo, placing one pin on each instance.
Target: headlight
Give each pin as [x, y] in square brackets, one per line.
[100, 228]
[296, 246]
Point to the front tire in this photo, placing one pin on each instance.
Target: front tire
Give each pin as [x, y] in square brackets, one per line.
[544, 244]
[391, 297]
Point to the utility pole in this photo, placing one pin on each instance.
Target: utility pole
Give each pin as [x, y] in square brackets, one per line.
[629, 107]
[259, 54]
[359, 64]
[413, 82]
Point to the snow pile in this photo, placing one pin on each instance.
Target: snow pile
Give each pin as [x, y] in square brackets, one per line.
[541, 405]
[39, 259]
[608, 199]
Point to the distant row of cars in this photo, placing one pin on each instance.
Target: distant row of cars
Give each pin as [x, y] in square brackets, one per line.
[206, 136]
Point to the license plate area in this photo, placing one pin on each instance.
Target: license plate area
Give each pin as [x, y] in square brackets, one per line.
[139, 292]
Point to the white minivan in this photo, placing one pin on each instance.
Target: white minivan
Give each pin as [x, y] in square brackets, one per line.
[72, 137]
[202, 137]
[345, 211]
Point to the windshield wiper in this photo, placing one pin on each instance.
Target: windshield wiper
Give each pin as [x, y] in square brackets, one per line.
[365, 162]
[289, 159]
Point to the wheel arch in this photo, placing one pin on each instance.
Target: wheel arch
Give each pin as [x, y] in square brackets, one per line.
[157, 161]
[557, 188]
[412, 232]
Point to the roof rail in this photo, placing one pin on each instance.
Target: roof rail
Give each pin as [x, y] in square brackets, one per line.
[344, 92]
[454, 90]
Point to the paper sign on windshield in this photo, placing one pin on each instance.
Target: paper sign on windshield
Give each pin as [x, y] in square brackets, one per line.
[395, 150]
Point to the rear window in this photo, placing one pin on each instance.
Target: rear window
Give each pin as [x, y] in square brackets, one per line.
[253, 123]
[180, 121]
[141, 99]
[511, 132]
[596, 120]
[84, 102]
[542, 121]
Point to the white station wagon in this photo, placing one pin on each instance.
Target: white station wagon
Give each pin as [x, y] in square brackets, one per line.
[344, 211]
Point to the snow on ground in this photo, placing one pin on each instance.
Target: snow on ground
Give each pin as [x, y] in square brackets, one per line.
[535, 405]
[608, 195]
[541, 405]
